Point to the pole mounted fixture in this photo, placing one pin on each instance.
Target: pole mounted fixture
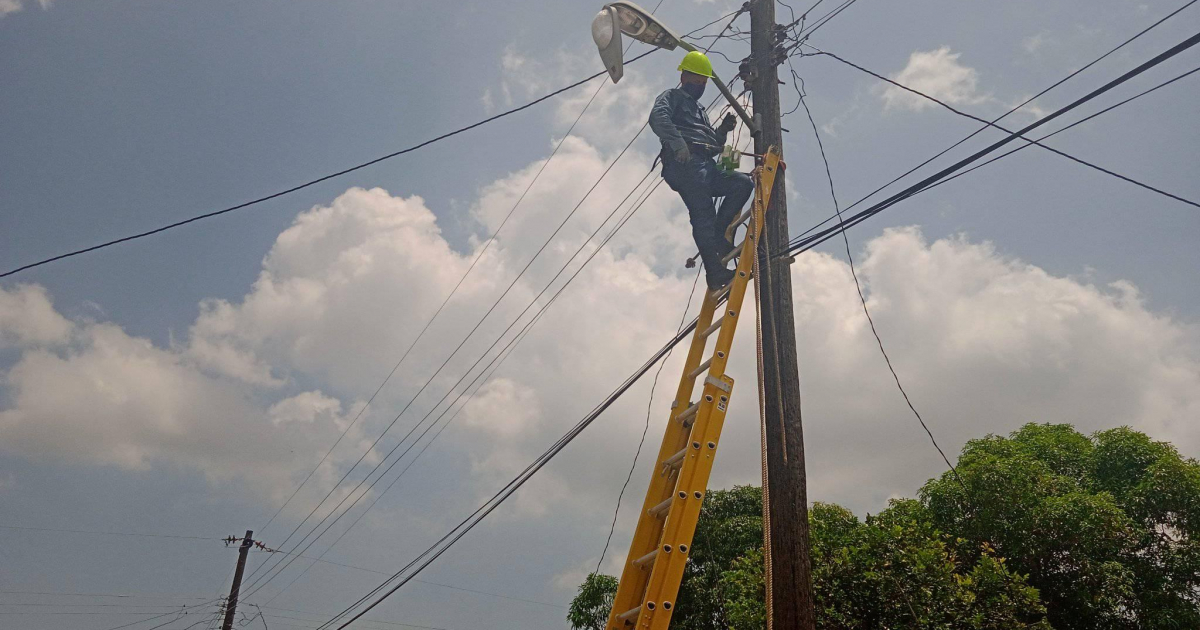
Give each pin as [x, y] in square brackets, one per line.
[628, 18]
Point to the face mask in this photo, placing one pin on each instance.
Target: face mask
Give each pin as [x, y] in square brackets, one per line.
[694, 90]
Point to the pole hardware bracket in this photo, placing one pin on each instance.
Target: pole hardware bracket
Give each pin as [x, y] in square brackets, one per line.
[748, 71]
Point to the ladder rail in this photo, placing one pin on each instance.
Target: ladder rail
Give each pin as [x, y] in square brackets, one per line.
[658, 553]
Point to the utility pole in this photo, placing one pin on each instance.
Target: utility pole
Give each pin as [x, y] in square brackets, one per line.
[231, 604]
[785, 507]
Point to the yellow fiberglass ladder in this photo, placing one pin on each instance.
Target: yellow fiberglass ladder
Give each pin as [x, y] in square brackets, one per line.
[654, 567]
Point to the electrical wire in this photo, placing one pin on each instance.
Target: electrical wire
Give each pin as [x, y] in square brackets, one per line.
[496, 500]
[318, 180]
[1004, 129]
[440, 368]
[623, 221]
[254, 572]
[645, 429]
[453, 291]
[1020, 105]
[104, 533]
[386, 457]
[942, 174]
[438, 584]
[1074, 124]
[428, 427]
[862, 298]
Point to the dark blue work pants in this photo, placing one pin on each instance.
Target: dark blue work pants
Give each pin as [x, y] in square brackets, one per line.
[698, 182]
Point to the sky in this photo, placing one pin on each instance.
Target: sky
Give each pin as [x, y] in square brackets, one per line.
[177, 389]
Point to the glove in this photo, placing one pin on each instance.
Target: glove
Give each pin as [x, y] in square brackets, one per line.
[682, 155]
[729, 123]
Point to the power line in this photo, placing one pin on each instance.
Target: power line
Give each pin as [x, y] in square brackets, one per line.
[434, 551]
[624, 220]
[318, 180]
[1074, 124]
[433, 409]
[104, 533]
[646, 428]
[496, 500]
[1027, 101]
[734, 14]
[513, 341]
[439, 584]
[435, 374]
[453, 291]
[1005, 130]
[805, 243]
[862, 298]
[121, 595]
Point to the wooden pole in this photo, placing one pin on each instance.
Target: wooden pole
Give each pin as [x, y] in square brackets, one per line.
[789, 568]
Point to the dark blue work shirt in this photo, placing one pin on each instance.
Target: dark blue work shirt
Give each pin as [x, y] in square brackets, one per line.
[677, 118]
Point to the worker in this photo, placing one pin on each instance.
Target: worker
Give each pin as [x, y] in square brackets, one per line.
[689, 144]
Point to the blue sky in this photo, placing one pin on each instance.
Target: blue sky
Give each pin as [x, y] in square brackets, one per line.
[183, 384]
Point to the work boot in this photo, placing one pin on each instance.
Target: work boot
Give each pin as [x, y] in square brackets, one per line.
[718, 278]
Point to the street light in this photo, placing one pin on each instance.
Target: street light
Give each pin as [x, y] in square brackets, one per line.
[628, 18]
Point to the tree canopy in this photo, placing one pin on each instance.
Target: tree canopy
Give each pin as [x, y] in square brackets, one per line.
[1046, 528]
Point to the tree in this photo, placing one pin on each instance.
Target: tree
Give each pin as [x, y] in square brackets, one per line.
[589, 610]
[1046, 528]
[1104, 527]
[892, 571]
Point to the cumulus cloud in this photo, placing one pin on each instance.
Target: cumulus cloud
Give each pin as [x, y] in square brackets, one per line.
[112, 399]
[28, 318]
[983, 342]
[937, 73]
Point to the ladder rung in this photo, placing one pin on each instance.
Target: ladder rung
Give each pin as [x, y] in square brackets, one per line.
[722, 292]
[661, 508]
[646, 559]
[737, 249]
[674, 460]
[688, 413]
[741, 218]
[713, 328]
[630, 615]
[700, 368]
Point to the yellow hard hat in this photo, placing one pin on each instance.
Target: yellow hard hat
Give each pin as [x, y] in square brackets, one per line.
[696, 63]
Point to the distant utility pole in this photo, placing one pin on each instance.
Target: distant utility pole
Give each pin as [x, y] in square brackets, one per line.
[789, 569]
[231, 604]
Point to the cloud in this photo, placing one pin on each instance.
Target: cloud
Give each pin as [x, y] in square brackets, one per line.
[938, 74]
[12, 6]
[9, 6]
[983, 343]
[27, 318]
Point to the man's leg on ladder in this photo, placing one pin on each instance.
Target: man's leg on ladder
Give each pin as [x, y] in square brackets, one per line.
[736, 189]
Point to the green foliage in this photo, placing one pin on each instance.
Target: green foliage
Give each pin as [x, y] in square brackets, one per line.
[1048, 529]
[744, 589]
[894, 571]
[589, 610]
[1104, 527]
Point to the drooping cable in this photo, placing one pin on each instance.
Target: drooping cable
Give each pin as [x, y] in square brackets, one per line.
[454, 353]
[646, 428]
[733, 16]
[318, 180]
[1037, 143]
[803, 243]
[863, 299]
[466, 525]
[1018, 106]
[450, 295]
[411, 444]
